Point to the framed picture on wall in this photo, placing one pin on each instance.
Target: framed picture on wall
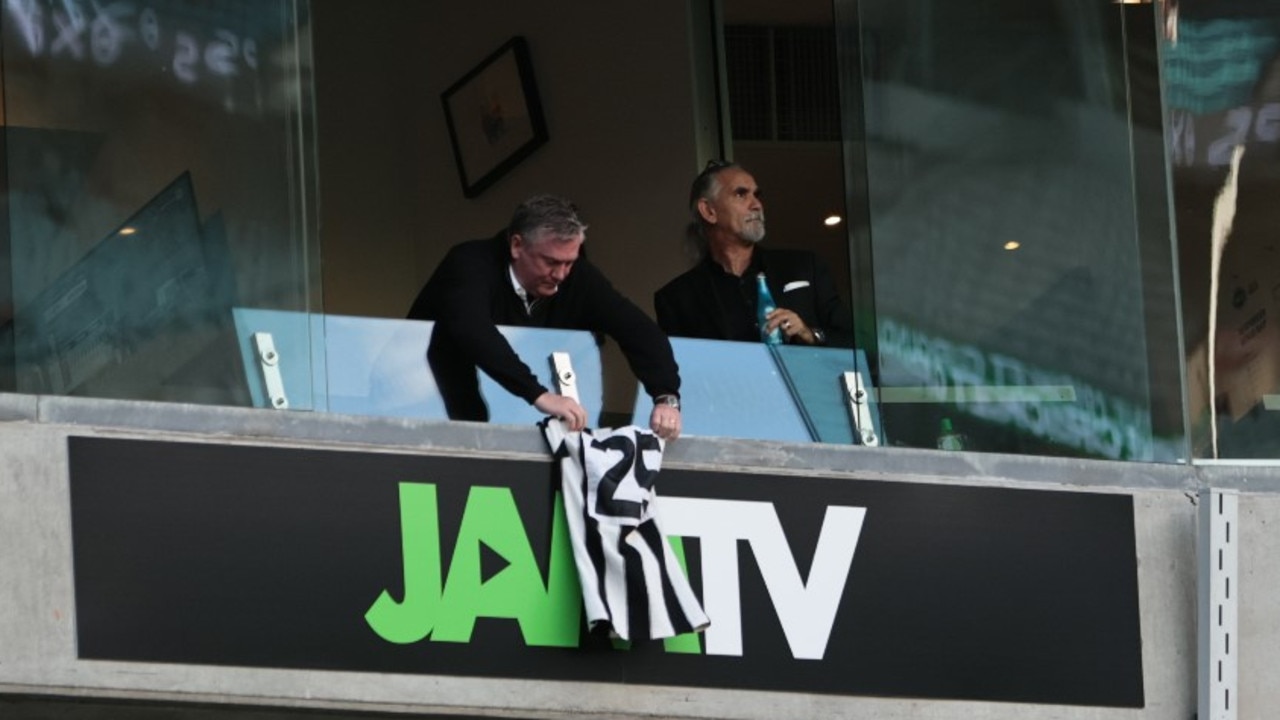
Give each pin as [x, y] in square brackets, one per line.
[494, 116]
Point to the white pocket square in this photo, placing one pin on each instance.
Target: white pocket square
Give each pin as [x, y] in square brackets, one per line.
[795, 285]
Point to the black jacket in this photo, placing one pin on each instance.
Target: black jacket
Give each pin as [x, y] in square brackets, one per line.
[689, 306]
[470, 294]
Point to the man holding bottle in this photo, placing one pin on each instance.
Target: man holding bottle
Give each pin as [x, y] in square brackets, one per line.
[720, 298]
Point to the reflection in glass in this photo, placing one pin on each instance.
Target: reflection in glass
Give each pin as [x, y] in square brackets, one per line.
[1220, 64]
[987, 126]
[158, 160]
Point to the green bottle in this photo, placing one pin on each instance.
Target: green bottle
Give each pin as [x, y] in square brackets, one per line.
[948, 438]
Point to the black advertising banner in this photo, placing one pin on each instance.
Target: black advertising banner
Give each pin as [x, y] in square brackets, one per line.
[324, 559]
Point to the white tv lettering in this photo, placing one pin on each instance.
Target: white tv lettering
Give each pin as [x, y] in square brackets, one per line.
[1183, 136]
[30, 21]
[149, 26]
[220, 54]
[807, 611]
[1266, 125]
[102, 32]
[1239, 121]
[186, 54]
[68, 29]
[109, 33]
[250, 53]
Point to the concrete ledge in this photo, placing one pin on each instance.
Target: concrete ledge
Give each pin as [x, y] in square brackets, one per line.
[289, 426]
[479, 439]
[693, 452]
[17, 408]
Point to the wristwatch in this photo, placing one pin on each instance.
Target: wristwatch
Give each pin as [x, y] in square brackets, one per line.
[668, 400]
[819, 336]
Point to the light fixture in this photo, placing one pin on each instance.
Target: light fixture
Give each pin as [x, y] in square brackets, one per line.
[128, 230]
[1012, 245]
[832, 220]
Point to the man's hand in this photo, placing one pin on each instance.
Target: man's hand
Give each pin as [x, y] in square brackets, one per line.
[565, 408]
[665, 422]
[793, 328]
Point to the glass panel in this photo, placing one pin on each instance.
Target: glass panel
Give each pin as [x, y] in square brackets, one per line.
[377, 366]
[759, 392]
[158, 163]
[1021, 283]
[831, 389]
[1221, 73]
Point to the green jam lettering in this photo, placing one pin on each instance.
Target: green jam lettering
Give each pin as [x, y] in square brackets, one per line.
[548, 609]
[548, 613]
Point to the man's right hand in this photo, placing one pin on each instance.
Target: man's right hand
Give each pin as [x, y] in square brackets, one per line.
[565, 408]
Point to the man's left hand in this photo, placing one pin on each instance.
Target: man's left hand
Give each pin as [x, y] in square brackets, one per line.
[665, 422]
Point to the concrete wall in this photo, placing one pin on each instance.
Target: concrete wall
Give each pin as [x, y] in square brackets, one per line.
[37, 607]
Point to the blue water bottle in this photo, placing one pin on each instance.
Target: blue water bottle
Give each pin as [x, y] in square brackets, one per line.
[764, 306]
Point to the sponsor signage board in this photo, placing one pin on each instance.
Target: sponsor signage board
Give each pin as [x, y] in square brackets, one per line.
[379, 562]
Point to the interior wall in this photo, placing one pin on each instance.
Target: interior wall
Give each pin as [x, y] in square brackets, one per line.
[616, 88]
[803, 184]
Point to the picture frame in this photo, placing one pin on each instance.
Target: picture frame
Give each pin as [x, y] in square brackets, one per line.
[494, 116]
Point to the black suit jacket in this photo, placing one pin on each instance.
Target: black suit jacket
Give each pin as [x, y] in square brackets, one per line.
[689, 307]
[470, 294]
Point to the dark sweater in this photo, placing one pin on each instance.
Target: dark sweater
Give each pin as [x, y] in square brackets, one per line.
[470, 294]
[706, 302]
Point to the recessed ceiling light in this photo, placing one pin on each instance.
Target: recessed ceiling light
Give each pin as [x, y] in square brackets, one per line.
[128, 230]
[832, 220]
[1012, 245]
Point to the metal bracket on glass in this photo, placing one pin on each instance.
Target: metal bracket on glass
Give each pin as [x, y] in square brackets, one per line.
[1218, 606]
[864, 428]
[566, 380]
[269, 361]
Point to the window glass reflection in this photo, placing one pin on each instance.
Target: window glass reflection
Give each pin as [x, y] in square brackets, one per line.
[1220, 65]
[1007, 238]
[154, 176]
